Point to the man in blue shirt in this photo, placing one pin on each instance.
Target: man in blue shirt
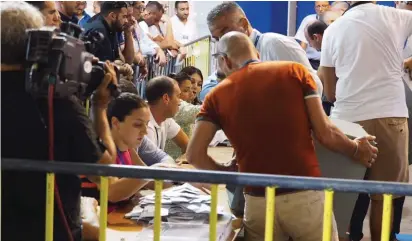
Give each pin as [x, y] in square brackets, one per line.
[211, 82]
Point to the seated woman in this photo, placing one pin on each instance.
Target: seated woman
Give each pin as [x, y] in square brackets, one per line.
[197, 76]
[187, 113]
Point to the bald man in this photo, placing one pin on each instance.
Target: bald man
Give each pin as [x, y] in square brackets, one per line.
[275, 140]
[339, 6]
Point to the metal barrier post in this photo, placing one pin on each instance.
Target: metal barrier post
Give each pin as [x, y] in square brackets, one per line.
[88, 107]
[328, 215]
[104, 201]
[386, 217]
[158, 209]
[270, 213]
[49, 206]
[213, 213]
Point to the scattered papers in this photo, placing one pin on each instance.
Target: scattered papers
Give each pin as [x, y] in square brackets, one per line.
[219, 138]
[183, 203]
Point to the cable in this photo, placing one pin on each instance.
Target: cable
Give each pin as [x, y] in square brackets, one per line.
[51, 158]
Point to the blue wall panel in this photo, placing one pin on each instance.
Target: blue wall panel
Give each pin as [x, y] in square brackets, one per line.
[267, 16]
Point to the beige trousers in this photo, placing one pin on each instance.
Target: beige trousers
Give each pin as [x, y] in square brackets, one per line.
[297, 215]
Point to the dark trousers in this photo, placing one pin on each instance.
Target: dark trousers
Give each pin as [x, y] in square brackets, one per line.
[359, 214]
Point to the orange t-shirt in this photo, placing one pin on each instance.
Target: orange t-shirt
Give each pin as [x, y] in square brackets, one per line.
[261, 108]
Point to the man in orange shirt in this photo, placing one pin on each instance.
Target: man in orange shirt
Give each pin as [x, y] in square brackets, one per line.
[271, 138]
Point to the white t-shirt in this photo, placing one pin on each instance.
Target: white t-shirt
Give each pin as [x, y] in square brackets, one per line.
[153, 30]
[158, 134]
[278, 47]
[365, 46]
[311, 53]
[407, 53]
[184, 33]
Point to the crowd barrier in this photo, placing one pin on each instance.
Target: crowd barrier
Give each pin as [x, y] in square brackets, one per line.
[271, 182]
[198, 54]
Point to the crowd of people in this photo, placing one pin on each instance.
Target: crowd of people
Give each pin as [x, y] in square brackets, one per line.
[271, 100]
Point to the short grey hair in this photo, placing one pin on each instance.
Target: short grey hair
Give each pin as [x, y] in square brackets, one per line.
[223, 9]
[16, 18]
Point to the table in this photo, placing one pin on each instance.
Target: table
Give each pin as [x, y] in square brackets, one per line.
[122, 229]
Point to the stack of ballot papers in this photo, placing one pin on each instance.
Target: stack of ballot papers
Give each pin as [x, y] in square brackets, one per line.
[183, 203]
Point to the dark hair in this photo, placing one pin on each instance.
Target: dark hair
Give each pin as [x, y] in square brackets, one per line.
[112, 6]
[316, 27]
[180, 77]
[222, 10]
[191, 70]
[37, 4]
[126, 86]
[155, 4]
[157, 87]
[124, 105]
[178, 2]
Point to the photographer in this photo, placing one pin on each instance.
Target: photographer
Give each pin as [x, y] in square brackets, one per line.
[25, 129]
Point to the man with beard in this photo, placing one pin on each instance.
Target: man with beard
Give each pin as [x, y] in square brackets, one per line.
[67, 10]
[184, 28]
[112, 20]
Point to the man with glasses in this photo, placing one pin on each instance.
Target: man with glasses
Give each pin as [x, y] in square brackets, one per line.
[273, 140]
[312, 54]
[145, 44]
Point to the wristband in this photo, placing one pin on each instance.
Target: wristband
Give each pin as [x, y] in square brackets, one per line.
[356, 150]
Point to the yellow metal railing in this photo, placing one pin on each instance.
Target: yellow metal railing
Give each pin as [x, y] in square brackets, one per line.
[270, 211]
[198, 55]
[242, 179]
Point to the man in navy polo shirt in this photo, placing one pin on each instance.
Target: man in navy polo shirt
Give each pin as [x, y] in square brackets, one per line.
[112, 19]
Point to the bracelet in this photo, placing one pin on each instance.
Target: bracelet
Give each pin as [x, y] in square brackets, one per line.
[357, 148]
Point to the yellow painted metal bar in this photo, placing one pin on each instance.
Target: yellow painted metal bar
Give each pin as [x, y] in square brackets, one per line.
[158, 207]
[270, 213]
[49, 206]
[328, 216]
[88, 107]
[213, 214]
[386, 217]
[104, 201]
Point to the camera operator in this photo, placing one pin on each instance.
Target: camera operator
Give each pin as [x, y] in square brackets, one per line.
[25, 136]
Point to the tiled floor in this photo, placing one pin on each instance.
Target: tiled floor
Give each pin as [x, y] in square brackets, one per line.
[225, 154]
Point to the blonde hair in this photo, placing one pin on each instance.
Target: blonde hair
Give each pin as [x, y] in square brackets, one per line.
[16, 18]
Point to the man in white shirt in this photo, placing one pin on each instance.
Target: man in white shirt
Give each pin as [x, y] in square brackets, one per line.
[143, 42]
[312, 54]
[363, 49]
[184, 28]
[229, 16]
[162, 94]
[157, 29]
